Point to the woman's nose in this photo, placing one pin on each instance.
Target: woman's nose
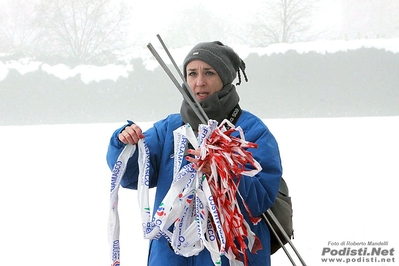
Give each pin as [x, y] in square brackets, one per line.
[200, 81]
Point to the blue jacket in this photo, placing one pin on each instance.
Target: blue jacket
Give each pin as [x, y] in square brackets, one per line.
[259, 191]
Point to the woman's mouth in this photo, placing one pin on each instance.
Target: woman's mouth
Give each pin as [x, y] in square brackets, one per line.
[202, 95]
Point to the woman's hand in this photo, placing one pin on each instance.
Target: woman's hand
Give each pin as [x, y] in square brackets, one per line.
[131, 134]
[206, 168]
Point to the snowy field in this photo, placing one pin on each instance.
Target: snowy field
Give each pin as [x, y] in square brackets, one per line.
[55, 183]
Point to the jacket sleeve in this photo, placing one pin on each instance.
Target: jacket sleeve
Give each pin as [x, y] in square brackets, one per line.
[152, 138]
[259, 191]
[115, 147]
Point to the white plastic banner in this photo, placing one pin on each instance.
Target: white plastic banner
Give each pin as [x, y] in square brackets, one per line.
[189, 216]
[113, 218]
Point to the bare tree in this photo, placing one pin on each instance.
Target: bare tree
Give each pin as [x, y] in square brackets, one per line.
[16, 32]
[84, 30]
[282, 21]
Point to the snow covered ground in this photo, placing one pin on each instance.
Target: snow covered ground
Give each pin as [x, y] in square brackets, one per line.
[55, 183]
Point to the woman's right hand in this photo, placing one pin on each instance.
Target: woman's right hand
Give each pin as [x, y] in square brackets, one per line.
[131, 134]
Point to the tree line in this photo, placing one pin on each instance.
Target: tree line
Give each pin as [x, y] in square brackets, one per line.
[360, 82]
[98, 31]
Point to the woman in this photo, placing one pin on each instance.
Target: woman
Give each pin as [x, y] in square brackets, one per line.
[209, 68]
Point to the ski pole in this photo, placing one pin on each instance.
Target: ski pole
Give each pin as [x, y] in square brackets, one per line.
[199, 111]
[279, 240]
[182, 77]
[280, 227]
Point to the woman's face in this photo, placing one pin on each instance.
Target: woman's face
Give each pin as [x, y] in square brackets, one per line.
[202, 79]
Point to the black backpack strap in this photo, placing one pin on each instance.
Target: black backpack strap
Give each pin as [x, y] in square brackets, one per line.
[234, 115]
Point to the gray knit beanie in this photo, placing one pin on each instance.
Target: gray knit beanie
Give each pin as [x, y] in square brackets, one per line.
[221, 57]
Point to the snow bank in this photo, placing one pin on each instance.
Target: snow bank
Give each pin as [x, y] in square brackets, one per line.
[323, 47]
[90, 73]
[23, 66]
[3, 71]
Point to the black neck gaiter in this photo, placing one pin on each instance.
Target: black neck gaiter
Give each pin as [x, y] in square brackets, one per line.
[217, 106]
